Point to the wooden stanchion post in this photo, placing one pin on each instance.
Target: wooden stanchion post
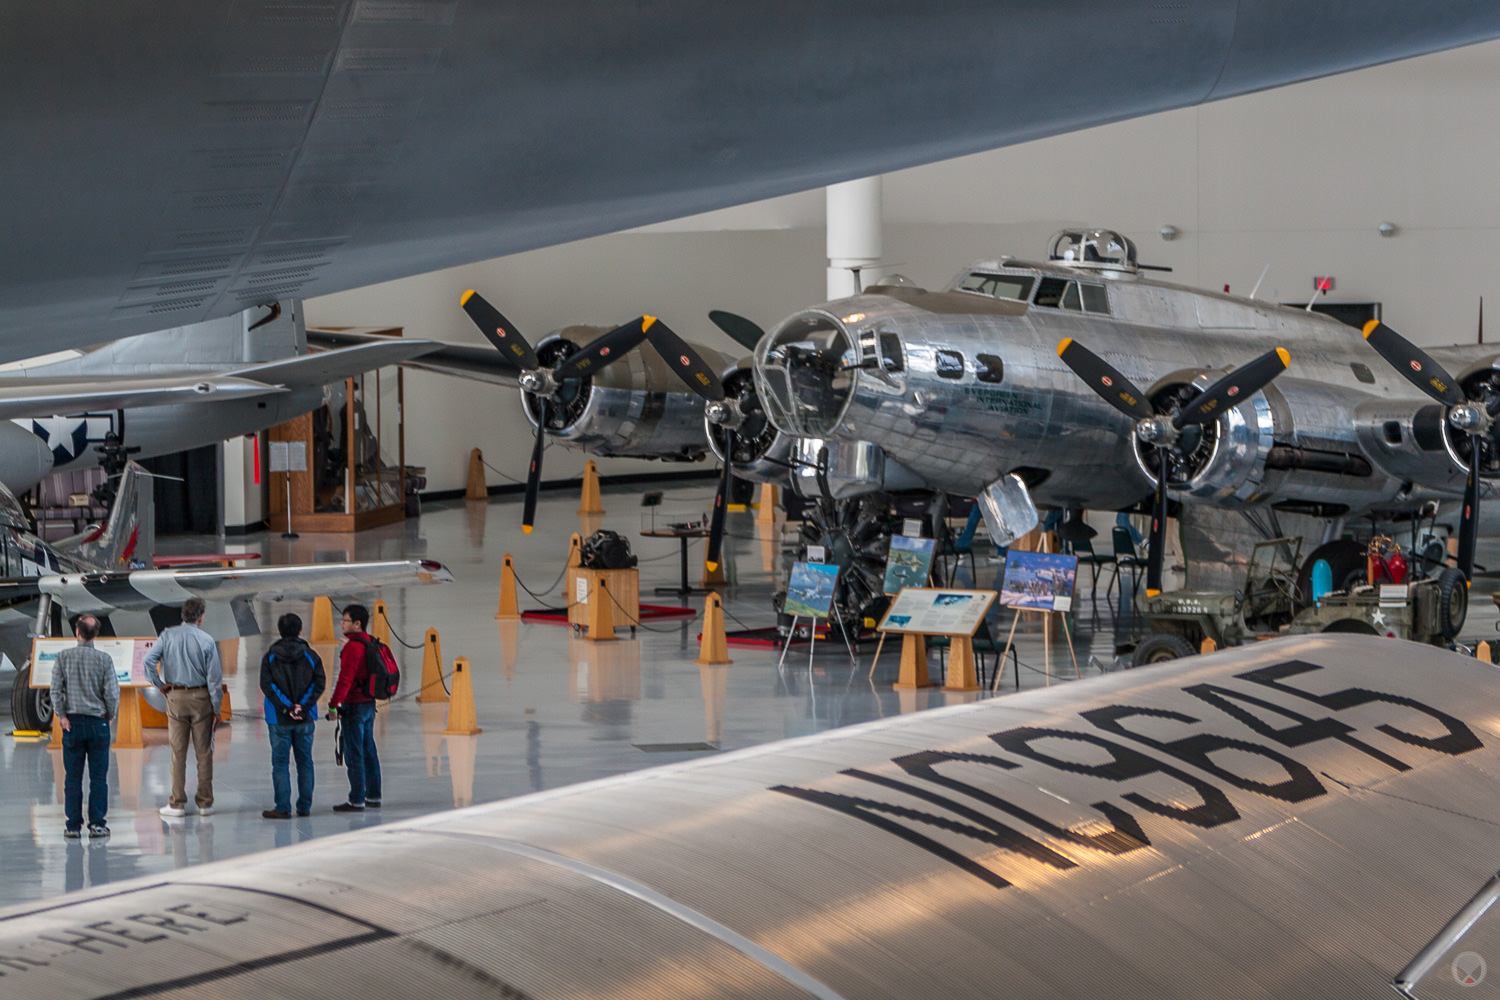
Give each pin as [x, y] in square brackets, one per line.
[768, 502]
[462, 719]
[128, 735]
[510, 608]
[713, 647]
[591, 502]
[601, 620]
[432, 669]
[1482, 652]
[380, 623]
[322, 623]
[476, 488]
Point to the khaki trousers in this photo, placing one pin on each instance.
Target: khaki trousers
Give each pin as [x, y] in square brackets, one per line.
[191, 714]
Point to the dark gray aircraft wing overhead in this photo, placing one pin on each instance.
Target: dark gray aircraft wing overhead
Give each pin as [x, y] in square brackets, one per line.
[170, 161]
[1293, 819]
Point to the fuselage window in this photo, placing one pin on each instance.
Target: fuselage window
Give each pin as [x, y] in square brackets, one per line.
[950, 364]
[1362, 372]
[1095, 299]
[989, 368]
[1050, 291]
[890, 353]
[1016, 287]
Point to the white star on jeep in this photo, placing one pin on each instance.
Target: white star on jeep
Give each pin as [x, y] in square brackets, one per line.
[1378, 618]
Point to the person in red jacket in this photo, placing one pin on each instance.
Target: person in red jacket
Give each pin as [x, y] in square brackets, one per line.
[352, 703]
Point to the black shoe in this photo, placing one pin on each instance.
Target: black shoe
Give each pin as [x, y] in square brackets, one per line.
[274, 814]
[372, 803]
[349, 807]
[304, 812]
[98, 831]
[72, 834]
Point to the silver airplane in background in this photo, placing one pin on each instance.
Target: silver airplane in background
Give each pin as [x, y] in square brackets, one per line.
[1077, 381]
[164, 392]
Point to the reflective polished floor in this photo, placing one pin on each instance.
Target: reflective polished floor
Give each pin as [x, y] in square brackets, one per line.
[554, 708]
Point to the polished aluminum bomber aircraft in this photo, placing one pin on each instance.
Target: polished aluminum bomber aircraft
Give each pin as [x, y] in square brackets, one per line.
[969, 389]
[176, 162]
[108, 569]
[167, 391]
[1299, 818]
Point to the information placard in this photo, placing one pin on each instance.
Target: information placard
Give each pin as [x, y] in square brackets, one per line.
[1040, 581]
[923, 611]
[129, 655]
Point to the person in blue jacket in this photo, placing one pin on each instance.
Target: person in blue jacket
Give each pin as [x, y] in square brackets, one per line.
[292, 679]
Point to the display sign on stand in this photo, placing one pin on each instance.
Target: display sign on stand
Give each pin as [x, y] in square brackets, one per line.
[918, 612]
[1038, 583]
[809, 594]
[129, 656]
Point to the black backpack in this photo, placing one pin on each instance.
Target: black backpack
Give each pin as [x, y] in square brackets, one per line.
[380, 664]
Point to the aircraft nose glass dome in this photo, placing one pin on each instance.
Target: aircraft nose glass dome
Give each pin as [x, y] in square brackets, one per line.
[803, 367]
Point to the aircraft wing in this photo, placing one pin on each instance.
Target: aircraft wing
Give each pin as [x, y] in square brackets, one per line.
[1293, 819]
[323, 367]
[143, 589]
[471, 361]
[36, 397]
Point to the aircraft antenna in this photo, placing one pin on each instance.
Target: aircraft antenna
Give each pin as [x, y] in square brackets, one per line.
[1263, 272]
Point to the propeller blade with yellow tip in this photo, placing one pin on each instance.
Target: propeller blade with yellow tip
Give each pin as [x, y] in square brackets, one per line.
[1233, 389]
[603, 352]
[499, 331]
[534, 474]
[721, 499]
[1114, 388]
[691, 368]
[1413, 364]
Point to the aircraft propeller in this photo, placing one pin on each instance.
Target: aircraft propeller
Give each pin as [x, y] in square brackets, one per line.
[739, 408]
[1171, 433]
[1474, 416]
[546, 382]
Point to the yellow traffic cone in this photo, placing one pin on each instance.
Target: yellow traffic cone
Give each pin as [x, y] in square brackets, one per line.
[509, 609]
[462, 720]
[713, 647]
[322, 621]
[432, 669]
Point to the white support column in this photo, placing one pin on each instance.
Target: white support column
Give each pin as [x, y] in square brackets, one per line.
[854, 215]
[243, 498]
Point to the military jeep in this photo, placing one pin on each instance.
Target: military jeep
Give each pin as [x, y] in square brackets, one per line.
[1430, 610]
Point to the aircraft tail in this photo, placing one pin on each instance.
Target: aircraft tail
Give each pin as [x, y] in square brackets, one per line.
[128, 539]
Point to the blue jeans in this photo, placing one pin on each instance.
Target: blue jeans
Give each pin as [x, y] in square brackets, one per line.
[360, 758]
[286, 740]
[86, 741]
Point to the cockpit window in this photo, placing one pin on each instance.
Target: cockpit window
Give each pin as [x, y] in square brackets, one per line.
[1070, 299]
[890, 353]
[1016, 287]
[1095, 299]
[12, 514]
[1050, 292]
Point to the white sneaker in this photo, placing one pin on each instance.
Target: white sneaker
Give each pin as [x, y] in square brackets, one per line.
[206, 812]
[172, 811]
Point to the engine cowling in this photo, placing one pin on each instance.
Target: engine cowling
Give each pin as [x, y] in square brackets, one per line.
[761, 453]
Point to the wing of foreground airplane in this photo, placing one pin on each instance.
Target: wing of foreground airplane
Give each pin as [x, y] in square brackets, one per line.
[1291, 819]
[481, 364]
[34, 397]
[143, 589]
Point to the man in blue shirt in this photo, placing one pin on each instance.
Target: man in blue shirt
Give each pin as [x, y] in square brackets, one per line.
[184, 665]
[292, 679]
[85, 696]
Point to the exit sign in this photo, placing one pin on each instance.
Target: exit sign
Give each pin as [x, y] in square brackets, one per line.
[1323, 284]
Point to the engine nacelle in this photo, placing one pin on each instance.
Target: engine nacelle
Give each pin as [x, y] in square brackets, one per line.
[1412, 442]
[635, 407]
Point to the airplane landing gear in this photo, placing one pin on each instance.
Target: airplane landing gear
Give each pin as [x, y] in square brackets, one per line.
[30, 709]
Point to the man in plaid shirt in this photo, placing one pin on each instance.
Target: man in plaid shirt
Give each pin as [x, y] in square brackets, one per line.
[85, 697]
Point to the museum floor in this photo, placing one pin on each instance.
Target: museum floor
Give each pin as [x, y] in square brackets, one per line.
[554, 708]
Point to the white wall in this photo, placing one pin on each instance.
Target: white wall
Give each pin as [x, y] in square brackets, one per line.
[1297, 178]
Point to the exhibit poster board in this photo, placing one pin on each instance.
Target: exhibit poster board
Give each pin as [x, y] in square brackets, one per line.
[909, 563]
[1039, 581]
[129, 655]
[922, 611]
[809, 593]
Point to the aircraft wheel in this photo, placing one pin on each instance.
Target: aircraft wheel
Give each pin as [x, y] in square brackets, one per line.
[1453, 602]
[30, 709]
[1160, 648]
[1345, 557]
